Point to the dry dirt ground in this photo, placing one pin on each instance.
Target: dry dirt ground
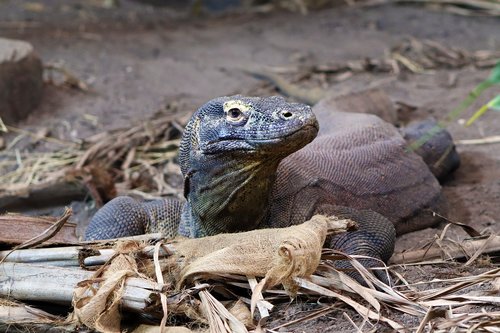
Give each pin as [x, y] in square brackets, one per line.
[137, 58]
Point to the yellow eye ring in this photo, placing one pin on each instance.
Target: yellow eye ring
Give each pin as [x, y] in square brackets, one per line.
[234, 114]
[236, 111]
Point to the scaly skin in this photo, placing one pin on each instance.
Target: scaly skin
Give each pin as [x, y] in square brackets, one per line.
[230, 165]
[248, 164]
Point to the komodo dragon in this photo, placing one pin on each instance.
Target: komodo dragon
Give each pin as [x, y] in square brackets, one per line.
[251, 162]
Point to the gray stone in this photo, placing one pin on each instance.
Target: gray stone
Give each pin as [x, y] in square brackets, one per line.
[21, 80]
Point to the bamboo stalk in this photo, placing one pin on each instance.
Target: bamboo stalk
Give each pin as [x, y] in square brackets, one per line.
[40, 283]
[28, 282]
[69, 253]
[69, 256]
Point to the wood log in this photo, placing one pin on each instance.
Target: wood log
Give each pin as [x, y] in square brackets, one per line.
[448, 250]
[58, 191]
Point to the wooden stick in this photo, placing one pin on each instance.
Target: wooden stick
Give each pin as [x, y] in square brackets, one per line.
[467, 248]
[486, 140]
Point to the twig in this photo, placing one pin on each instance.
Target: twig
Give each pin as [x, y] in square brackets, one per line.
[487, 140]
[456, 251]
[315, 314]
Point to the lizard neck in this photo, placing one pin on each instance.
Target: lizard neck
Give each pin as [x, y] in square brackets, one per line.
[228, 193]
[229, 155]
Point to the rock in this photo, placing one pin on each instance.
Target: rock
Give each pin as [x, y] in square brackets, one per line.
[21, 80]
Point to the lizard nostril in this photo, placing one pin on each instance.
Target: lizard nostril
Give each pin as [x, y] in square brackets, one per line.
[286, 114]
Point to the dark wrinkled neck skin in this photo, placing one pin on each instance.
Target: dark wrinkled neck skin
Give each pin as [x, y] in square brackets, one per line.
[229, 177]
[229, 194]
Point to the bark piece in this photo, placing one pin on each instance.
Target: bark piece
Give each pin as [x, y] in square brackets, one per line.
[16, 229]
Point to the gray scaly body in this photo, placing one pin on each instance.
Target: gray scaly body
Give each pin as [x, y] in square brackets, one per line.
[251, 162]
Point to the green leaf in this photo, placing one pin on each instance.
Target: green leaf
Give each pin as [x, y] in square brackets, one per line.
[494, 77]
[494, 104]
[472, 96]
[476, 115]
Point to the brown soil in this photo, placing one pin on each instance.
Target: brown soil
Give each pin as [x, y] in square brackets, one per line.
[137, 59]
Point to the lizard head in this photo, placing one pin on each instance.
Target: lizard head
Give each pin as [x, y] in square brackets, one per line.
[229, 154]
[251, 126]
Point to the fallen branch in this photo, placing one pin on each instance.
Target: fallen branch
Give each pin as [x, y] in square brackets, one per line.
[451, 250]
[38, 194]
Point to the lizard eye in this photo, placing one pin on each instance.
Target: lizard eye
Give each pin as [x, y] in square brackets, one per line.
[234, 115]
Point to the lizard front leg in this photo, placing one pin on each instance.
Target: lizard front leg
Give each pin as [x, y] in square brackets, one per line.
[375, 238]
[125, 216]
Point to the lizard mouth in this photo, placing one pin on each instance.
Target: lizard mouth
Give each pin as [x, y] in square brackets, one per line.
[286, 143]
[308, 131]
[294, 141]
